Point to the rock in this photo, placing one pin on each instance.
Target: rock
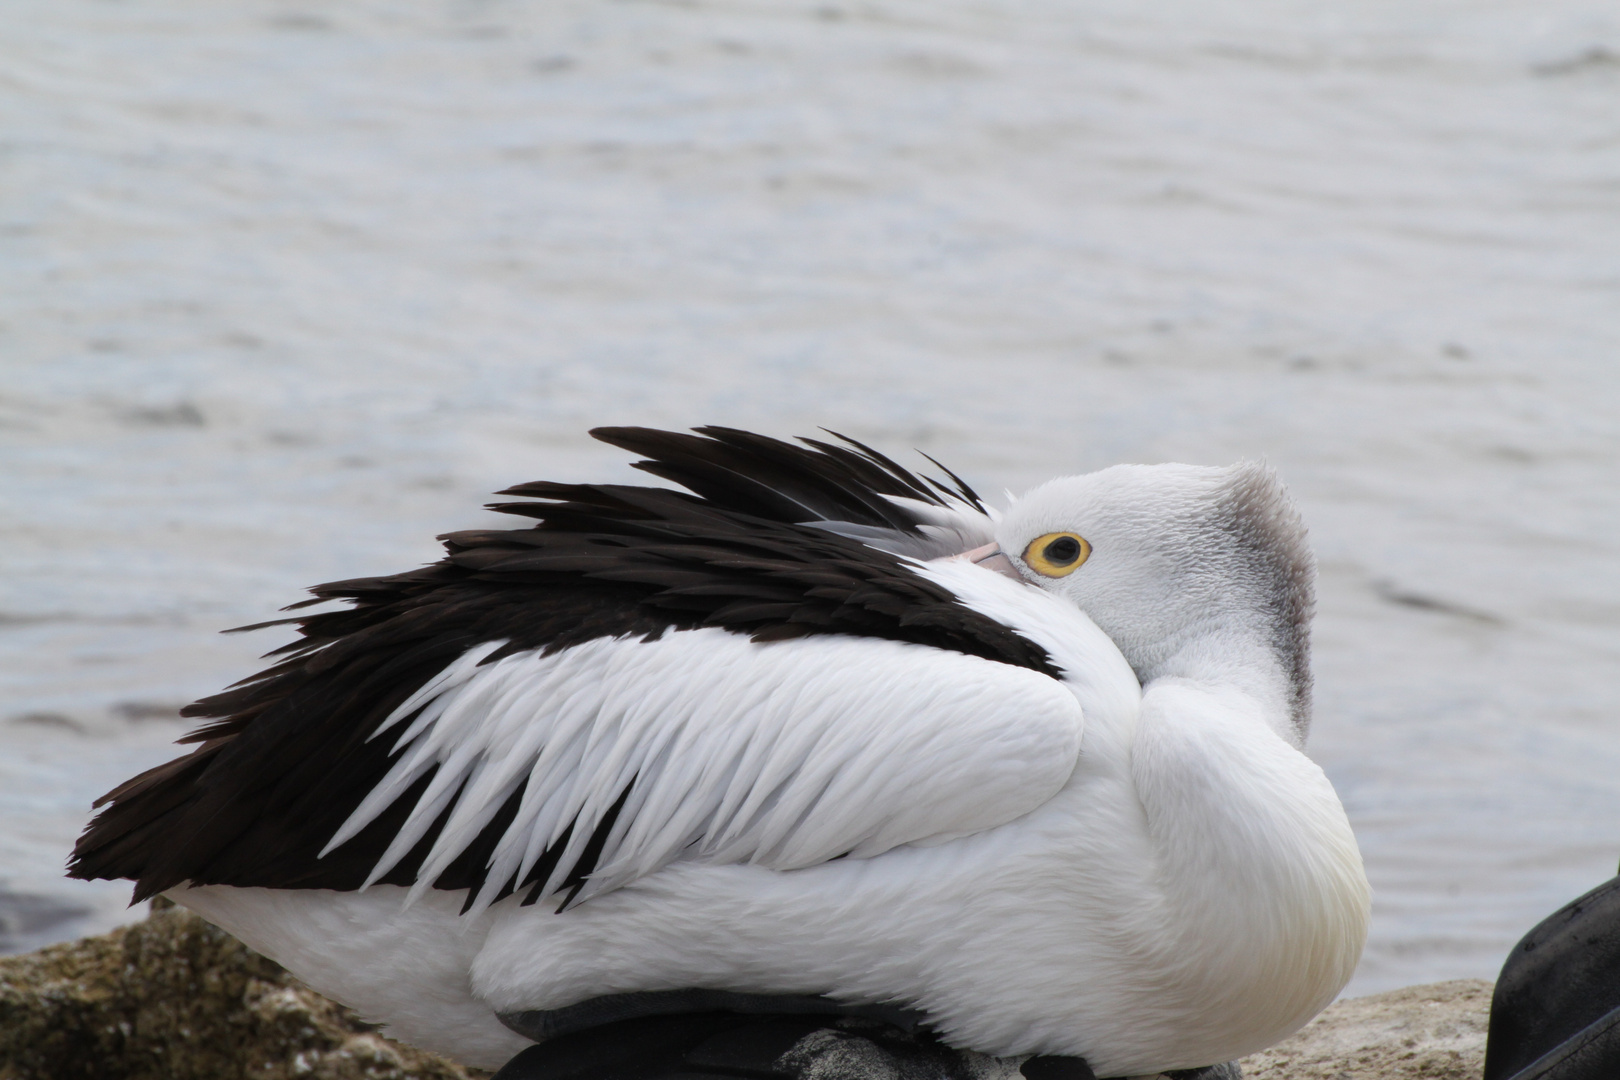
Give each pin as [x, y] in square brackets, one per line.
[173, 998]
[1433, 1032]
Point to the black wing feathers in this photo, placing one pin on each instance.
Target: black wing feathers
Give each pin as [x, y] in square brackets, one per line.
[753, 474]
[285, 757]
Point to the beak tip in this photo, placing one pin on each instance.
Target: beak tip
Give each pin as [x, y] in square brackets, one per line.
[999, 563]
[992, 558]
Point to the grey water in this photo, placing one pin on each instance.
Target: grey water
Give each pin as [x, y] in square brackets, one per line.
[287, 289]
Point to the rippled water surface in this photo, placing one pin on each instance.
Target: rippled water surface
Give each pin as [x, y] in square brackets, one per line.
[287, 289]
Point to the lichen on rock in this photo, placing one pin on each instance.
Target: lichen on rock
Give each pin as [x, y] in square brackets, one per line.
[174, 998]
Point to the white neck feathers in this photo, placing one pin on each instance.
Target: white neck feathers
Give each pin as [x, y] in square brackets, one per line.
[1265, 900]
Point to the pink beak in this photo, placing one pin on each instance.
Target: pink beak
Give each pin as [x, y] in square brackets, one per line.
[991, 557]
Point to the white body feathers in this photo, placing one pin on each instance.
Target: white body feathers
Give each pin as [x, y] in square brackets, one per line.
[1151, 880]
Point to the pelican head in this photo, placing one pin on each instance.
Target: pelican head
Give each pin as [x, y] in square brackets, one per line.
[1192, 571]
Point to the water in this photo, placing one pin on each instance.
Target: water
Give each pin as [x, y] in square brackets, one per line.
[286, 289]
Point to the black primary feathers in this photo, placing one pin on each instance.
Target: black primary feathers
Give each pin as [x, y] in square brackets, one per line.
[285, 761]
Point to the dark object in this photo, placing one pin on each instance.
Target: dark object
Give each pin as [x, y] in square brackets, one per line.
[542, 1024]
[1555, 1014]
[697, 1046]
[760, 1037]
[1050, 1067]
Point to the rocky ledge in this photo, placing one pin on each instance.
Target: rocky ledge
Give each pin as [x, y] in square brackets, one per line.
[1436, 1032]
[173, 998]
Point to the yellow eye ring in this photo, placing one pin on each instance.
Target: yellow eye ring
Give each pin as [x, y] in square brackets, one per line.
[1056, 554]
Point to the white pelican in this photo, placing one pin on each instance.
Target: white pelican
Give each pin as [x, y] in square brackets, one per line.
[820, 730]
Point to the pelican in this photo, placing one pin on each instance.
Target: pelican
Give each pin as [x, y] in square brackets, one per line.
[816, 731]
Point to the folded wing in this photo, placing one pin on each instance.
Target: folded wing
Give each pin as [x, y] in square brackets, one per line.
[705, 745]
[381, 724]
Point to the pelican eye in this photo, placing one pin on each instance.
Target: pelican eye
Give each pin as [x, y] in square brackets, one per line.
[1056, 554]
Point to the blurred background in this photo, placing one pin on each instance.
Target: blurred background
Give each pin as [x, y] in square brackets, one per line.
[287, 288]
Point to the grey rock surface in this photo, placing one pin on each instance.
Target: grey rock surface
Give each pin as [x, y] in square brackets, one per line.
[1433, 1032]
